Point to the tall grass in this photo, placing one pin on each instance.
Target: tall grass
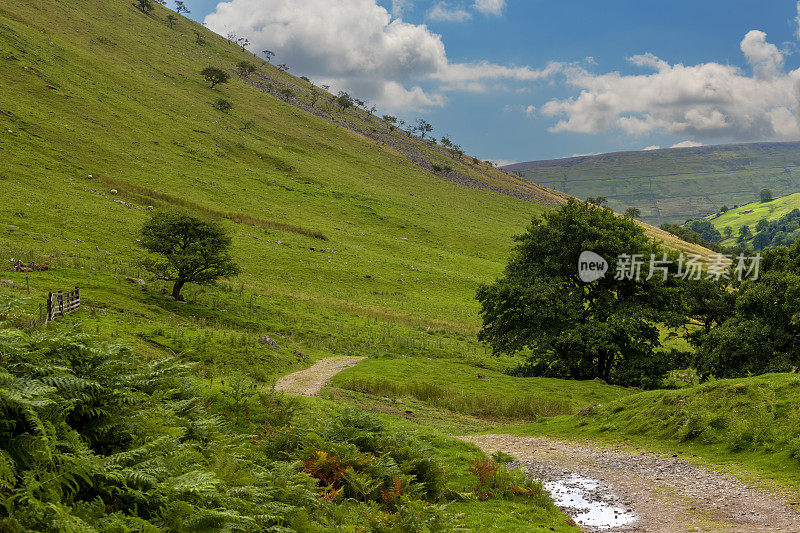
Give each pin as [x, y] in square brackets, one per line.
[450, 398]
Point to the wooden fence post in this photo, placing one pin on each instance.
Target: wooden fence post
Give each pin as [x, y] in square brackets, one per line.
[49, 307]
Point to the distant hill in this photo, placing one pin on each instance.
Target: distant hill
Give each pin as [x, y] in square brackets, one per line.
[673, 184]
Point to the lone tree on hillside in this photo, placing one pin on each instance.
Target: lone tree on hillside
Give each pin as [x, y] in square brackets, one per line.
[192, 250]
[766, 195]
[598, 201]
[633, 212]
[145, 6]
[268, 55]
[423, 127]
[607, 328]
[214, 75]
[181, 8]
[391, 120]
[344, 100]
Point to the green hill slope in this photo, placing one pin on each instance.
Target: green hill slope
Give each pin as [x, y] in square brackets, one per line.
[97, 96]
[750, 214]
[329, 210]
[676, 184]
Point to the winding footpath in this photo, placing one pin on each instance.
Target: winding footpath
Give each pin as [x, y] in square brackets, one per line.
[310, 381]
[666, 493]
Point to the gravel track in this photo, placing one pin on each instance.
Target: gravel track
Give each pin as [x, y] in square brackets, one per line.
[668, 494]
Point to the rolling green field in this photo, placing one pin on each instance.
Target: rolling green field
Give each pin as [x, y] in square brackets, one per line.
[119, 104]
[736, 218]
[676, 184]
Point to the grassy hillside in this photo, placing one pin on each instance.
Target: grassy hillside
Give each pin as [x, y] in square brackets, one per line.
[750, 214]
[108, 98]
[343, 237]
[673, 185]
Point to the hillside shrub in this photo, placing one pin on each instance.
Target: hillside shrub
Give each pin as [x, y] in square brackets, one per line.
[245, 68]
[223, 105]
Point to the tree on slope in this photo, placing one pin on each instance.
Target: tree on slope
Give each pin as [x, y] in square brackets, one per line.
[423, 127]
[607, 328]
[180, 7]
[192, 250]
[633, 212]
[145, 6]
[344, 100]
[215, 76]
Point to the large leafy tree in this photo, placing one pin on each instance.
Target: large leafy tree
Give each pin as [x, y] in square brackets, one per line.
[605, 329]
[191, 250]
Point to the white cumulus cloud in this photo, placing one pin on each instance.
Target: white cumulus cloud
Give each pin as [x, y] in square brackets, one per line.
[651, 147]
[444, 12]
[357, 45]
[490, 7]
[708, 101]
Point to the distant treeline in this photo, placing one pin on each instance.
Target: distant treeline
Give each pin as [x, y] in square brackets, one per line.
[695, 237]
[782, 232]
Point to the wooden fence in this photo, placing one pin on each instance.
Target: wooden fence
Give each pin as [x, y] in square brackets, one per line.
[59, 304]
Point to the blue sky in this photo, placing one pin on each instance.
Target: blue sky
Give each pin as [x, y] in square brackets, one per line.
[703, 75]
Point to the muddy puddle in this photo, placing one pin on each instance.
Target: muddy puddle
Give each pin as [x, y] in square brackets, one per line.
[589, 503]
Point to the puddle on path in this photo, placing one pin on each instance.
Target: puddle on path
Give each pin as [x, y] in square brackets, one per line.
[589, 503]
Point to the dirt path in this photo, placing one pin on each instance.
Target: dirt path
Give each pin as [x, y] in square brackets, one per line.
[310, 381]
[666, 493]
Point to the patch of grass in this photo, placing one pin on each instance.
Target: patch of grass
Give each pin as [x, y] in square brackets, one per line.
[464, 388]
[449, 397]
